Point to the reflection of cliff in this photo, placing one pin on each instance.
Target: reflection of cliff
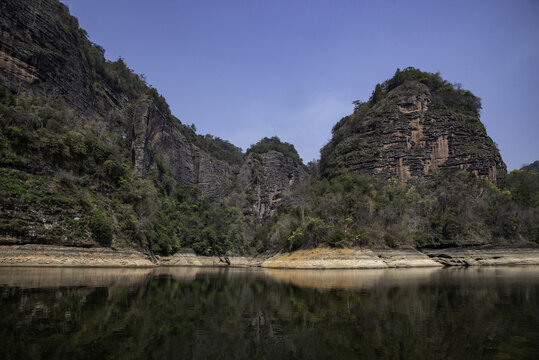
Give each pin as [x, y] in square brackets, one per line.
[352, 279]
[276, 314]
[35, 278]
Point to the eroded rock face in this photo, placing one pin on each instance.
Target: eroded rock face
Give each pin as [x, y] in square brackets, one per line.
[41, 51]
[533, 167]
[154, 133]
[266, 177]
[403, 136]
[38, 48]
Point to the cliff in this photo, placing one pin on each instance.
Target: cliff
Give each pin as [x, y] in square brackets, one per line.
[91, 155]
[42, 50]
[533, 167]
[413, 123]
[270, 170]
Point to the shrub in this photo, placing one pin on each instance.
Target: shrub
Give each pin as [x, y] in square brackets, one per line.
[274, 143]
[101, 227]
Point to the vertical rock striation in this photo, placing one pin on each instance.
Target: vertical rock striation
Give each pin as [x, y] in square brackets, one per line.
[43, 50]
[268, 173]
[414, 128]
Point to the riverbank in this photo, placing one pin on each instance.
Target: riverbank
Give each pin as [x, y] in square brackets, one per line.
[54, 256]
[319, 258]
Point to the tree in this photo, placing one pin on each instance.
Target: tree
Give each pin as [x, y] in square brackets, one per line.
[376, 94]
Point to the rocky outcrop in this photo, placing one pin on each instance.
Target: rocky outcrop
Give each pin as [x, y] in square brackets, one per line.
[485, 256]
[40, 48]
[533, 167]
[411, 131]
[319, 258]
[43, 50]
[265, 178]
[359, 258]
[43, 255]
[156, 134]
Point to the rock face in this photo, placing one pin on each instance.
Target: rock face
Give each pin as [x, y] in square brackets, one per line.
[533, 167]
[265, 177]
[59, 256]
[411, 130]
[43, 50]
[39, 46]
[156, 134]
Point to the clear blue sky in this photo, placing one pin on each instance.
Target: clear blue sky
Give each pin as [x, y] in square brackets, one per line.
[245, 69]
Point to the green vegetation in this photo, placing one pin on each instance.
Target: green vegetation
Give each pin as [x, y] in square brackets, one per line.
[87, 175]
[101, 227]
[274, 143]
[84, 182]
[533, 167]
[444, 209]
[445, 96]
[220, 149]
[68, 178]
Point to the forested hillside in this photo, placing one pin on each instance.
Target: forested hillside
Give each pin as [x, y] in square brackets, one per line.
[90, 155]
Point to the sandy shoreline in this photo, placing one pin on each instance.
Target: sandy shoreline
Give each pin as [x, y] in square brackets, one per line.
[320, 258]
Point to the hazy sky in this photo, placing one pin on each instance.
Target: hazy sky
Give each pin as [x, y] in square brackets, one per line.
[245, 69]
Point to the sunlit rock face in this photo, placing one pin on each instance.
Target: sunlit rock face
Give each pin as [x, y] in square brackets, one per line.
[39, 46]
[411, 131]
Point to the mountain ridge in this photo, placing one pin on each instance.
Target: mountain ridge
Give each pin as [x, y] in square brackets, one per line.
[90, 155]
[413, 122]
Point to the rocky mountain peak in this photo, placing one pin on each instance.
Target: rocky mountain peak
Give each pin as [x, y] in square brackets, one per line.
[271, 168]
[413, 123]
[533, 167]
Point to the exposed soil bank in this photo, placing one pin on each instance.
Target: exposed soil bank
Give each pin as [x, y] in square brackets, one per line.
[50, 255]
[324, 258]
[489, 256]
[320, 258]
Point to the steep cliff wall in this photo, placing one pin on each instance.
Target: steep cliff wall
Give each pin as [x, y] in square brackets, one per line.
[533, 167]
[43, 50]
[411, 126]
[40, 45]
[266, 176]
[90, 155]
[154, 133]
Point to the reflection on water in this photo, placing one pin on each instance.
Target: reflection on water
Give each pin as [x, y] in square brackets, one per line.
[28, 277]
[177, 313]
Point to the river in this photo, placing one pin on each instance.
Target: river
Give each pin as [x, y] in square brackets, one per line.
[233, 313]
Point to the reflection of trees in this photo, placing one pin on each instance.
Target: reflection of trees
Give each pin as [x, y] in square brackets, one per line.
[244, 314]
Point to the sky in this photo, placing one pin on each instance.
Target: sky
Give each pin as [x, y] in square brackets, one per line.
[245, 69]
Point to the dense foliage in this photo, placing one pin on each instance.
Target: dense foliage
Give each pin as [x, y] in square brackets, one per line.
[68, 178]
[444, 209]
[75, 173]
[72, 170]
[533, 167]
[67, 166]
[275, 144]
[444, 95]
[215, 146]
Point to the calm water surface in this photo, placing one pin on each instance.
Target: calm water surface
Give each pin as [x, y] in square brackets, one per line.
[205, 313]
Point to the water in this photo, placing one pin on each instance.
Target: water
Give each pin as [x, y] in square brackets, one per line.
[213, 313]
